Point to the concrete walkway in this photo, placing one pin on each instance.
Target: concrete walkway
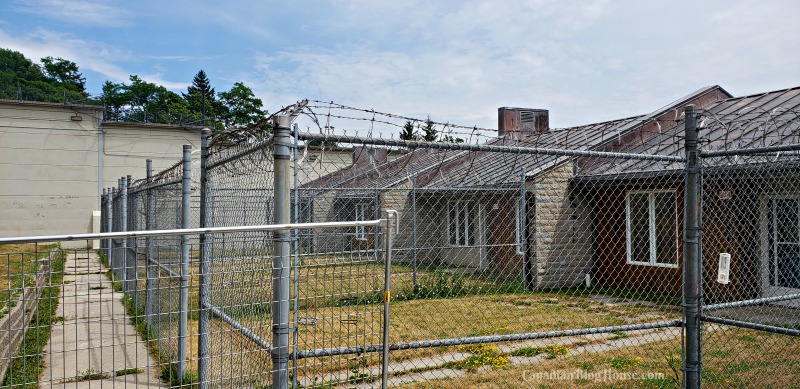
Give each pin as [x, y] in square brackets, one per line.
[95, 341]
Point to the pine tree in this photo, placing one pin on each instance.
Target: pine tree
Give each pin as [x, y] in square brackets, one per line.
[202, 101]
[430, 132]
[407, 133]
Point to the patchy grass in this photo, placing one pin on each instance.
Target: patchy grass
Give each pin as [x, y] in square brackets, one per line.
[18, 266]
[550, 351]
[732, 361]
[29, 362]
[123, 372]
[88, 375]
[482, 355]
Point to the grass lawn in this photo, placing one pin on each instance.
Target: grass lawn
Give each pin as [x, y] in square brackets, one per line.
[28, 363]
[339, 303]
[18, 267]
[732, 357]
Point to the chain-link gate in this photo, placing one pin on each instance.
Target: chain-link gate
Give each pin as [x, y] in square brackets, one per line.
[750, 241]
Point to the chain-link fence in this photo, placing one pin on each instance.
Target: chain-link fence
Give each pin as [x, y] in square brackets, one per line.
[751, 230]
[658, 250]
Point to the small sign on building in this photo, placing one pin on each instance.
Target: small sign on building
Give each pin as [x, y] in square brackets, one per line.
[724, 195]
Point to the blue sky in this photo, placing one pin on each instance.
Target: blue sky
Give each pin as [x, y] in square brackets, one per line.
[457, 61]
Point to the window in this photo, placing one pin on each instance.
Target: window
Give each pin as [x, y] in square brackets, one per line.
[520, 226]
[461, 222]
[652, 228]
[361, 215]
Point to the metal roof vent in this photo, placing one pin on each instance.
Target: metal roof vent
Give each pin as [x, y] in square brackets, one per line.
[516, 123]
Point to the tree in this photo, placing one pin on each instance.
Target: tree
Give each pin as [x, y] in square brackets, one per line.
[429, 131]
[242, 107]
[21, 78]
[65, 73]
[115, 97]
[407, 133]
[202, 100]
[451, 139]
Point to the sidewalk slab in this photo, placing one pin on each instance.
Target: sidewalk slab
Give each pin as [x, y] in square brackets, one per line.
[96, 338]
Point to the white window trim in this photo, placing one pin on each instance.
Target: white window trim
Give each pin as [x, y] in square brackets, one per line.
[361, 215]
[520, 219]
[465, 209]
[651, 224]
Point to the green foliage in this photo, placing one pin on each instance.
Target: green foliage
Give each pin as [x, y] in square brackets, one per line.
[623, 363]
[88, 375]
[57, 80]
[132, 370]
[202, 104]
[28, 364]
[441, 284]
[451, 139]
[60, 80]
[407, 133]
[429, 132]
[65, 73]
[483, 355]
[550, 351]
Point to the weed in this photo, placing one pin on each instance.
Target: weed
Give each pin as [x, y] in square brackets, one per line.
[88, 375]
[623, 363]
[128, 371]
[748, 338]
[618, 335]
[586, 366]
[483, 355]
[551, 351]
[719, 353]
[25, 368]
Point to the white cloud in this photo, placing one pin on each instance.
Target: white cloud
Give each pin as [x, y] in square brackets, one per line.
[93, 56]
[95, 12]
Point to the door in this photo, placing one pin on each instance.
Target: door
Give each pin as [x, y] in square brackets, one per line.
[781, 247]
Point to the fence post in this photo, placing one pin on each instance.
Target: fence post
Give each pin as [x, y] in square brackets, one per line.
[109, 221]
[117, 215]
[131, 273]
[296, 247]
[280, 258]
[123, 210]
[414, 233]
[183, 309]
[203, 322]
[151, 271]
[391, 223]
[111, 224]
[691, 257]
[103, 220]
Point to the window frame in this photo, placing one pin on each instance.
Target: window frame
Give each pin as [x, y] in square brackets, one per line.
[651, 228]
[361, 215]
[462, 227]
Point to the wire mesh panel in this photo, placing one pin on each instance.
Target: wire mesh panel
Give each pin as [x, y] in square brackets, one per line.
[537, 251]
[165, 263]
[751, 260]
[239, 192]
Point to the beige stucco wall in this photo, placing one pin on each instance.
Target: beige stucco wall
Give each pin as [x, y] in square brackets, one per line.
[49, 163]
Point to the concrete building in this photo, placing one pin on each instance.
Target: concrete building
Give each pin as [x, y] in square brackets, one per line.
[55, 159]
